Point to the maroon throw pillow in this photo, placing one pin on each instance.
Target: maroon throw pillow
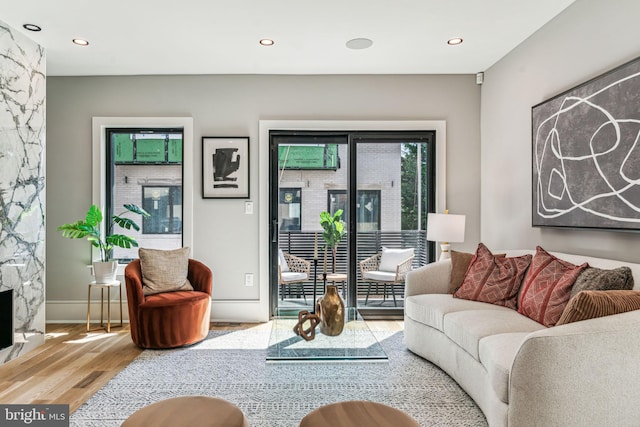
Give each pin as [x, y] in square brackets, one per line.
[460, 262]
[493, 279]
[547, 287]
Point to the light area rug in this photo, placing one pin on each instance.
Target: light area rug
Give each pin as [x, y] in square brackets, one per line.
[231, 365]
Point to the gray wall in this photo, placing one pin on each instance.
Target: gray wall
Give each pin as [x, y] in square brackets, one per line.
[222, 105]
[587, 39]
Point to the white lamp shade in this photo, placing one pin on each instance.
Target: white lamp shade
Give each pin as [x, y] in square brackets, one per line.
[445, 227]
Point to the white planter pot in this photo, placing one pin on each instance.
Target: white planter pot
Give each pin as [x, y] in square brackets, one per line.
[105, 272]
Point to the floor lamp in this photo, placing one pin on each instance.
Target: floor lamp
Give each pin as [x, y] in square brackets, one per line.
[445, 228]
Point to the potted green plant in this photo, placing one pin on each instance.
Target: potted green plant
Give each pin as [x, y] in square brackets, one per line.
[89, 227]
[333, 231]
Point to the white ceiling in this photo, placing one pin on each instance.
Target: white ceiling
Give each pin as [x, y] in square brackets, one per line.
[129, 37]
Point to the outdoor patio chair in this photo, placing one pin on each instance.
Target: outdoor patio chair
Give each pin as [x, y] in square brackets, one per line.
[292, 270]
[386, 268]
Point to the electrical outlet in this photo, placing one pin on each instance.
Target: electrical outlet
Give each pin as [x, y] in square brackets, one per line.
[248, 208]
[248, 279]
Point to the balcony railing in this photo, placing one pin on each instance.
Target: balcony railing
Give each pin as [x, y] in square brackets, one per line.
[301, 244]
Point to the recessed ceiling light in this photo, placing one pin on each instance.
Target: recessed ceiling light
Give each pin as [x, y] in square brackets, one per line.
[266, 42]
[31, 27]
[80, 42]
[454, 41]
[359, 43]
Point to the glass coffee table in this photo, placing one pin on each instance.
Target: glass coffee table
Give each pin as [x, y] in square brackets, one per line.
[355, 343]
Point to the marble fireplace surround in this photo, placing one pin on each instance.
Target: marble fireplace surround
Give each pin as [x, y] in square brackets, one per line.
[22, 187]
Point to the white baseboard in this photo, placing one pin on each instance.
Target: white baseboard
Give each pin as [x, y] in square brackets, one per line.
[66, 311]
[70, 311]
[239, 311]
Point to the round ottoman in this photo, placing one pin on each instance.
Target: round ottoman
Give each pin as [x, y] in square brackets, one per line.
[192, 411]
[357, 413]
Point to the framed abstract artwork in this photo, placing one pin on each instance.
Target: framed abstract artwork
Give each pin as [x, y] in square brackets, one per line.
[225, 167]
[586, 154]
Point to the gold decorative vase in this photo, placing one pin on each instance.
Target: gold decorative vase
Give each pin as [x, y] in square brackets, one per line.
[330, 309]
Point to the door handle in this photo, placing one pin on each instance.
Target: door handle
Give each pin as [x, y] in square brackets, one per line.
[274, 231]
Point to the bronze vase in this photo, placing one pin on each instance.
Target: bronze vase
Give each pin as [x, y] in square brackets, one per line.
[330, 309]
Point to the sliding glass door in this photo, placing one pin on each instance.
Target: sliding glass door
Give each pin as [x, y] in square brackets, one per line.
[394, 191]
[305, 169]
[381, 182]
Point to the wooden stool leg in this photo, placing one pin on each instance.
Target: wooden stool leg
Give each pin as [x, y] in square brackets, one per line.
[120, 289]
[88, 308]
[109, 309]
[101, 306]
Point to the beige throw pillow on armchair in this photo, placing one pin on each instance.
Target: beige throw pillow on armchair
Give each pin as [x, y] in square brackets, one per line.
[164, 271]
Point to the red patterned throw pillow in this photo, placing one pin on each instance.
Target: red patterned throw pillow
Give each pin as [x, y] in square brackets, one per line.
[547, 287]
[493, 279]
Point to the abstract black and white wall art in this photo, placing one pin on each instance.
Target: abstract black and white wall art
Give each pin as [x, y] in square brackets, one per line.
[22, 187]
[225, 167]
[586, 154]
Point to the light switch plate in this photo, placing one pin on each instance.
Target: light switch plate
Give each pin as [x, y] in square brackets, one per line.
[248, 279]
[248, 208]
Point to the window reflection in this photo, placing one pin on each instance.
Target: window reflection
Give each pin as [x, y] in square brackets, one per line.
[165, 206]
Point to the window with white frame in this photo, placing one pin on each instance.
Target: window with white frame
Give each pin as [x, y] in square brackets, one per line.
[144, 168]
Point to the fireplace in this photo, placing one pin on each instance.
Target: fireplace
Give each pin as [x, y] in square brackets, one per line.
[6, 319]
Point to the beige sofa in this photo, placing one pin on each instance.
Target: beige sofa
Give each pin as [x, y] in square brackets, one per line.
[519, 372]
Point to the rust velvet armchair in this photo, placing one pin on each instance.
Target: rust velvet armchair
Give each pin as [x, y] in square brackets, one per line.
[169, 319]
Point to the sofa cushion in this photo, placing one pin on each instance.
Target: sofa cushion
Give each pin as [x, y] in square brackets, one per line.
[467, 328]
[598, 279]
[164, 270]
[391, 258]
[492, 279]
[592, 304]
[547, 287]
[430, 309]
[497, 353]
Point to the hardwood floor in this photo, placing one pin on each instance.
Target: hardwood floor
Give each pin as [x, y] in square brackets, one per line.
[68, 368]
[72, 364]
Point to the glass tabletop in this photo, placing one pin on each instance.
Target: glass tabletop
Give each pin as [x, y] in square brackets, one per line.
[356, 342]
